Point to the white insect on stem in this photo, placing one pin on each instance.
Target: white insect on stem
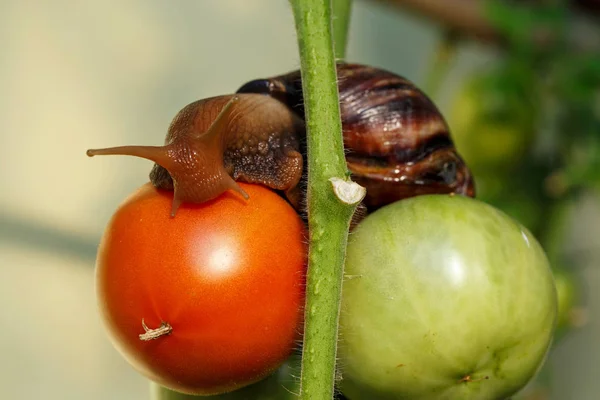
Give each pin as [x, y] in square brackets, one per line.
[348, 192]
[152, 334]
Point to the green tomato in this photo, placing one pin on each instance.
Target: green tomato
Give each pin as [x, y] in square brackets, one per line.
[566, 286]
[491, 126]
[283, 384]
[445, 297]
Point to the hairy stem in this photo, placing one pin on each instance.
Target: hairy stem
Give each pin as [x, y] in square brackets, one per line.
[328, 217]
[341, 25]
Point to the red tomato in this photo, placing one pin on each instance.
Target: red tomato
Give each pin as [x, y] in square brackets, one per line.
[227, 276]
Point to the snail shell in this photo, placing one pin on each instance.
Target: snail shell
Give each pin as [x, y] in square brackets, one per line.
[397, 143]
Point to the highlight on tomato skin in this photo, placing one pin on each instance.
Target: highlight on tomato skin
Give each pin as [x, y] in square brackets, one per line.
[219, 288]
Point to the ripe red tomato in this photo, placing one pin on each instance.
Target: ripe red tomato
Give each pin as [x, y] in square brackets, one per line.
[227, 276]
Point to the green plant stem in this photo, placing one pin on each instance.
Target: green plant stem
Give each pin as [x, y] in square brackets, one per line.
[328, 217]
[341, 25]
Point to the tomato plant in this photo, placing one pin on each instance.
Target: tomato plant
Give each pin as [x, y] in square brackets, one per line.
[448, 298]
[221, 286]
[493, 123]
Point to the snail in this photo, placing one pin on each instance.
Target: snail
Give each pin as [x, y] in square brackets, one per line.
[397, 142]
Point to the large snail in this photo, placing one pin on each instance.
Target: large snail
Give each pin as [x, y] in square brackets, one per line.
[397, 143]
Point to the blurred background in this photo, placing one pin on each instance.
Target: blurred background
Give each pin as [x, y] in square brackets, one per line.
[518, 81]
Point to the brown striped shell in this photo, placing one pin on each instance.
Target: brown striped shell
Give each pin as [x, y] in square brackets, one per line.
[397, 143]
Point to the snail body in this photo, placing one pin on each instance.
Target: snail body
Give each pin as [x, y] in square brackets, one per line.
[398, 144]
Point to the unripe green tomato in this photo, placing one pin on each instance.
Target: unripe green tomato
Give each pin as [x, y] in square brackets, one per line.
[566, 286]
[283, 384]
[445, 297]
[492, 129]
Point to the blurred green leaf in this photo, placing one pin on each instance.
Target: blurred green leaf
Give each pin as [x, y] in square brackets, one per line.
[525, 26]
